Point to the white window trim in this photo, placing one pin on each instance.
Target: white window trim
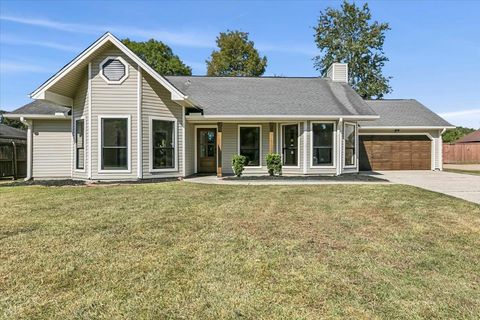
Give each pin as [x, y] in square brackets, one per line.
[75, 144]
[129, 143]
[355, 162]
[125, 76]
[150, 144]
[203, 126]
[298, 144]
[334, 146]
[260, 143]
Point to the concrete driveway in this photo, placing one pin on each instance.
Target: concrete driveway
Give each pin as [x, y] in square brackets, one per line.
[464, 186]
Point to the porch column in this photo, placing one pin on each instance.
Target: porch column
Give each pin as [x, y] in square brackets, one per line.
[271, 137]
[219, 148]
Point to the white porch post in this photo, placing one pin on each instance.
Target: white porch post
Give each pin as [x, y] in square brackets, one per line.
[339, 146]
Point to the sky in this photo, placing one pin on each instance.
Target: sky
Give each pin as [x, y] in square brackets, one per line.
[433, 46]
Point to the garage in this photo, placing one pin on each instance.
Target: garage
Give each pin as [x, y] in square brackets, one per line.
[395, 152]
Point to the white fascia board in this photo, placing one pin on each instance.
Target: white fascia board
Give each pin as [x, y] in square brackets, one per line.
[54, 97]
[108, 37]
[274, 117]
[406, 127]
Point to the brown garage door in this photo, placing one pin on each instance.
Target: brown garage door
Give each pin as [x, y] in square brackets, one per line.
[395, 152]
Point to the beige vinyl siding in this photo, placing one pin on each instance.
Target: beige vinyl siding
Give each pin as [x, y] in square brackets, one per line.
[52, 149]
[114, 99]
[80, 109]
[156, 102]
[189, 161]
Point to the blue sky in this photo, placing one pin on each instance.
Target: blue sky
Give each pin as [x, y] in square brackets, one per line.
[434, 46]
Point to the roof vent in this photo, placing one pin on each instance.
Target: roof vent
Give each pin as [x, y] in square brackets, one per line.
[114, 70]
[338, 72]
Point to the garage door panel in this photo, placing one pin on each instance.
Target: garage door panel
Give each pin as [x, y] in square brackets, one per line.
[379, 152]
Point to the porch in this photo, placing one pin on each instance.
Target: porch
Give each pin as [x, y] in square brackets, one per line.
[307, 147]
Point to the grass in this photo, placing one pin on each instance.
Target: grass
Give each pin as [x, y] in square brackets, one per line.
[474, 172]
[187, 251]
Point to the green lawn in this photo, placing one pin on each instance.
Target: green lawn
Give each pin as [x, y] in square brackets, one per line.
[183, 251]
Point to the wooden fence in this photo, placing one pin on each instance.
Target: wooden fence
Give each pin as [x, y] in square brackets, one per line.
[13, 159]
[461, 153]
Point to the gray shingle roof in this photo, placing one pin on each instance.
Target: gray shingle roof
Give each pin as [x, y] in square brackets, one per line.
[407, 112]
[271, 96]
[41, 107]
[9, 132]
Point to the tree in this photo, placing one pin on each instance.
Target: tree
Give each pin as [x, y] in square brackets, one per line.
[452, 135]
[236, 57]
[11, 122]
[159, 56]
[348, 35]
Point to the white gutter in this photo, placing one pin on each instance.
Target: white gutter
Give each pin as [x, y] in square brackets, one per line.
[407, 127]
[29, 125]
[57, 116]
[275, 117]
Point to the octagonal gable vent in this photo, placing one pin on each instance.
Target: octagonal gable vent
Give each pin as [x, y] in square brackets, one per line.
[114, 70]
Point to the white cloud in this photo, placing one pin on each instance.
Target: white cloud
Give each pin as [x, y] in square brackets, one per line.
[465, 118]
[27, 42]
[17, 67]
[180, 38]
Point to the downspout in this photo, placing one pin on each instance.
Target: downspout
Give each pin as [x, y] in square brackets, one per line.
[440, 151]
[29, 125]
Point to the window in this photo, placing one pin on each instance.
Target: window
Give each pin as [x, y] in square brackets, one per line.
[114, 70]
[290, 144]
[249, 144]
[322, 146]
[163, 144]
[349, 133]
[115, 147]
[79, 144]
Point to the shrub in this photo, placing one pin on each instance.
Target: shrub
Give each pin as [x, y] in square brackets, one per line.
[238, 164]
[274, 164]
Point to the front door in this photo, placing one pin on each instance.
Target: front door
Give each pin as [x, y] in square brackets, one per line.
[206, 150]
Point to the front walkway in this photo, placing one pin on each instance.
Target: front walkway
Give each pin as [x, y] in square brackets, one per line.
[458, 185]
[261, 180]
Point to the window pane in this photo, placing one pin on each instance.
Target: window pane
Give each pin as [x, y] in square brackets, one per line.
[349, 136]
[163, 135]
[80, 158]
[115, 132]
[250, 145]
[79, 133]
[349, 145]
[323, 134]
[322, 156]
[290, 144]
[114, 159]
[163, 158]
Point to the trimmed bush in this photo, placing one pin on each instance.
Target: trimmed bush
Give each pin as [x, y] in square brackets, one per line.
[238, 164]
[274, 164]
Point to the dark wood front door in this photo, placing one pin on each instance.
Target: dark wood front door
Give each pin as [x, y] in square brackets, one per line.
[206, 150]
[395, 152]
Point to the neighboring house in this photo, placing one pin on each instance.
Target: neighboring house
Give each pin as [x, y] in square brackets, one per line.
[473, 137]
[13, 152]
[108, 115]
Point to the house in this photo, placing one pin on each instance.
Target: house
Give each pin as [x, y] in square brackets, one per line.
[473, 137]
[107, 115]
